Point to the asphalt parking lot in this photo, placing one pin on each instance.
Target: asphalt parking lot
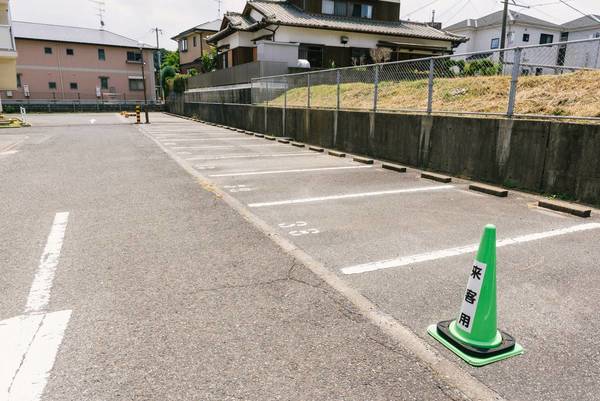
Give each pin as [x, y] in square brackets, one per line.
[406, 243]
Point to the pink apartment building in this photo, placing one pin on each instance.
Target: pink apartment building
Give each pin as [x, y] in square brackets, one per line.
[70, 63]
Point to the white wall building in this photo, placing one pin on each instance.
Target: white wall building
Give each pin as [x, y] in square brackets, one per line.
[522, 30]
[484, 35]
[584, 54]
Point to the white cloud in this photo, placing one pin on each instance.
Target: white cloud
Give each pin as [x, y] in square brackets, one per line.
[136, 18]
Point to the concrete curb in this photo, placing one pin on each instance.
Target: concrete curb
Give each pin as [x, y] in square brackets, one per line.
[394, 167]
[259, 135]
[565, 207]
[436, 177]
[488, 189]
[336, 153]
[297, 144]
[316, 149]
[270, 138]
[363, 160]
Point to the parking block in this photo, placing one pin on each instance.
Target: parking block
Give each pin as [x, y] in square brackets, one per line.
[270, 138]
[283, 140]
[394, 167]
[259, 135]
[576, 210]
[363, 160]
[316, 148]
[336, 154]
[297, 144]
[436, 177]
[488, 189]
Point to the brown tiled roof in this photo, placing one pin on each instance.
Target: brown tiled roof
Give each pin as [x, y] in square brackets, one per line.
[281, 12]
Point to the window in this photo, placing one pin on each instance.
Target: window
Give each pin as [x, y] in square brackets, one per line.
[366, 11]
[328, 7]
[340, 8]
[70, 52]
[73, 86]
[104, 83]
[101, 55]
[19, 80]
[545, 38]
[47, 50]
[51, 85]
[596, 35]
[134, 57]
[183, 45]
[495, 43]
[360, 56]
[312, 53]
[525, 37]
[194, 40]
[136, 84]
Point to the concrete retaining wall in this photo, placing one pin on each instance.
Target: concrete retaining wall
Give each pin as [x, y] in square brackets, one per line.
[540, 156]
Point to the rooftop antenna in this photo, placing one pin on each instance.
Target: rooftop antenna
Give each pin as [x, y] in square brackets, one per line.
[101, 8]
[432, 16]
[219, 7]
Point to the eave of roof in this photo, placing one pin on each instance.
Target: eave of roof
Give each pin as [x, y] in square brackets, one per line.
[197, 28]
[24, 30]
[319, 21]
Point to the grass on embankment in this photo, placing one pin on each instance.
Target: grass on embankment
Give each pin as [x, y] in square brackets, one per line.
[572, 94]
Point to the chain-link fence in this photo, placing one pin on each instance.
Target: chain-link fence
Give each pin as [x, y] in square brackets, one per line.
[559, 80]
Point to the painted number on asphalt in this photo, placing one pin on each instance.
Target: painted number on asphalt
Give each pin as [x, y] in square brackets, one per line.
[237, 188]
[298, 224]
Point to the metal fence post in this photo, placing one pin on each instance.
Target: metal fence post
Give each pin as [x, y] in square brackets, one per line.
[267, 106]
[375, 87]
[285, 89]
[430, 91]
[338, 79]
[308, 90]
[513, 82]
[337, 107]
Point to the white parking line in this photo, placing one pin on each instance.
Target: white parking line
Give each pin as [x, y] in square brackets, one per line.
[250, 156]
[226, 146]
[445, 253]
[39, 294]
[210, 139]
[29, 343]
[350, 196]
[300, 170]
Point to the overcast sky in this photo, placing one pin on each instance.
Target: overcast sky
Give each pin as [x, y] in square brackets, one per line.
[136, 18]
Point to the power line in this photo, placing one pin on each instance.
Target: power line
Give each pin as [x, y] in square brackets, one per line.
[459, 10]
[580, 12]
[421, 8]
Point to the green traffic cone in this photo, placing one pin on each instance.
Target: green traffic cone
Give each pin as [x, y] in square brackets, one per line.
[474, 335]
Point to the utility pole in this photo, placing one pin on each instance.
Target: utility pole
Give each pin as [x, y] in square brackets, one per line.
[144, 83]
[504, 23]
[504, 26]
[160, 86]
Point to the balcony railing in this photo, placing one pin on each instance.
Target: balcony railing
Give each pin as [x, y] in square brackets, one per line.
[6, 39]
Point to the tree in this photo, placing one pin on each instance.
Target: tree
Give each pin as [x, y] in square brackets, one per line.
[170, 58]
[381, 54]
[166, 74]
[209, 61]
